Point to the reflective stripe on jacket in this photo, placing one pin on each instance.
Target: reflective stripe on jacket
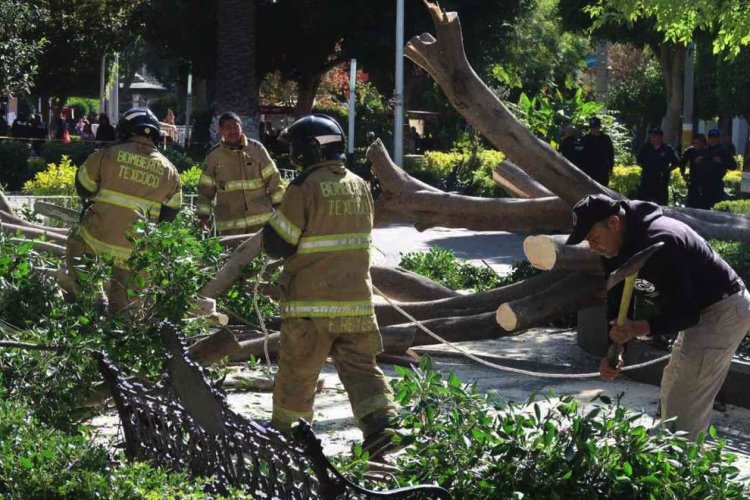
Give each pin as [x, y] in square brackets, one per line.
[127, 181]
[239, 185]
[327, 213]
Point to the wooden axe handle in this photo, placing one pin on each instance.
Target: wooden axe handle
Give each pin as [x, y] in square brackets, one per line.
[615, 349]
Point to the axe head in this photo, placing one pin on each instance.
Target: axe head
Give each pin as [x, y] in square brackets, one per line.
[632, 265]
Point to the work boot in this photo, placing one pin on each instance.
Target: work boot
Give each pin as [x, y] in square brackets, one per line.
[380, 443]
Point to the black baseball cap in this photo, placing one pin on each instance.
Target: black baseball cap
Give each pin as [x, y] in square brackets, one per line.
[595, 122]
[714, 132]
[591, 209]
[655, 130]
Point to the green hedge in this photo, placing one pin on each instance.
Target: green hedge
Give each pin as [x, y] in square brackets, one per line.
[84, 107]
[625, 180]
[14, 167]
[77, 151]
[733, 206]
[473, 170]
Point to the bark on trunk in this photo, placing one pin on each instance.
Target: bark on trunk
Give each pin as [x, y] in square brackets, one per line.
[567, 296]
[550, 252]
[672, 58]
[467, 305]
[454, 329]
[214, 348]
[33, 233]
[232, 268]
[402, 285]
[518, 183]
[57, 212]
[445, 60]
[42, 246]
[10, 218]
[308, 89]
[405, 199]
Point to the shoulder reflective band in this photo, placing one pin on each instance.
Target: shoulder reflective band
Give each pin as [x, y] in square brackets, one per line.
[326, 309]
[85, 180]
[334, 243]
[118, 253]
[253, 220]
[277, 196]
[126, 201]
[285, 228]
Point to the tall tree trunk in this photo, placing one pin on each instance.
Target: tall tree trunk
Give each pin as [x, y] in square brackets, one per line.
[200, 95]
[308, 89]
[236, 81]
[672, 58]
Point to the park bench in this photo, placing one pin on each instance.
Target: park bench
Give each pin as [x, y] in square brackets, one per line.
[185, 424]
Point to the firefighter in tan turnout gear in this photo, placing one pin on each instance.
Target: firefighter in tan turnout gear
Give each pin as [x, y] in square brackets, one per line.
[240, 184]
[323, 231]
[122, 183]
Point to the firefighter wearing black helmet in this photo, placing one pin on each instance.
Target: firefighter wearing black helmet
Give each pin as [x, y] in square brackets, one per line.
[323, 231]
[121, 183]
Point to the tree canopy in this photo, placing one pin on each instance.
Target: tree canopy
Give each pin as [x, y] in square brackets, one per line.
[20, 48]
[679, 20]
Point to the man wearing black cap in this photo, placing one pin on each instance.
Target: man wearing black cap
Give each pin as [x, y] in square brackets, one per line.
[598, 156]
[656, 159]
[719, 161]
[700, 296]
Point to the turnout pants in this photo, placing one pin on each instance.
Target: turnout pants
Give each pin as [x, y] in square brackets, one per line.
[352, 343]
[119, 282]
[700, 361]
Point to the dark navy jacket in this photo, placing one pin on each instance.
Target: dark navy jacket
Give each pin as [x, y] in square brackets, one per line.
[687, 274]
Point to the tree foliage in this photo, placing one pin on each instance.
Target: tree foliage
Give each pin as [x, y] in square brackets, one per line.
[19, 47]
[679, 20]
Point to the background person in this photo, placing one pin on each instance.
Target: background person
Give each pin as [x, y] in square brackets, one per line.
[598, 155]
[657, 159]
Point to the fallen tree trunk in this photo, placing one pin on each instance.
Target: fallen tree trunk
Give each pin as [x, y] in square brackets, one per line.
[33, 233]
[466, 305]
[10, 218]
[214, 348]
[394, 342]
[567, 296]
[57, 212]
[518, 183]
[232, 268]
[42, 246]
[445, 60]
[402, 285]
[550, 252]
[454, 329]
[405, 199]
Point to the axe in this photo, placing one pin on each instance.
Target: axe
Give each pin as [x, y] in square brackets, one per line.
[627, 272]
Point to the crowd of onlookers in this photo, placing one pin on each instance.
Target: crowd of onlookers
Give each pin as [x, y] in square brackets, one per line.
[703, 164]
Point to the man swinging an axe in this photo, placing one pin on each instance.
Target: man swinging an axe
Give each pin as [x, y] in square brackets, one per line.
[700, 295]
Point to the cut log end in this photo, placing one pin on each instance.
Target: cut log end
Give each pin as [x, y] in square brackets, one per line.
[506, 318]
[541, 252]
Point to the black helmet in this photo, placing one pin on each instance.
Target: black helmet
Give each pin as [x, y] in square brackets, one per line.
[139, 121]
[314, 138]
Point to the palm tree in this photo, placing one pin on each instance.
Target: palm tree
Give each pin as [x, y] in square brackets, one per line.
[236, 80]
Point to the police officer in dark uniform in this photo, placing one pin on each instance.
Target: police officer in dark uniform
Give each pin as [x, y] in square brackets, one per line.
[570, 145]
[598, 158]
[693, 168]
[719, 161]
[656, 159]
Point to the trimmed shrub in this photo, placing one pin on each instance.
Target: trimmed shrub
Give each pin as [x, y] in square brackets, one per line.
[467, 171]
[625, 180]
[733, 206]
[58, 179]
[189, 179]
[14, 167]
[77, 151]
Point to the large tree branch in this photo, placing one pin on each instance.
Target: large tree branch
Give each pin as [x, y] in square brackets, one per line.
[445, 60]
[405, 199]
